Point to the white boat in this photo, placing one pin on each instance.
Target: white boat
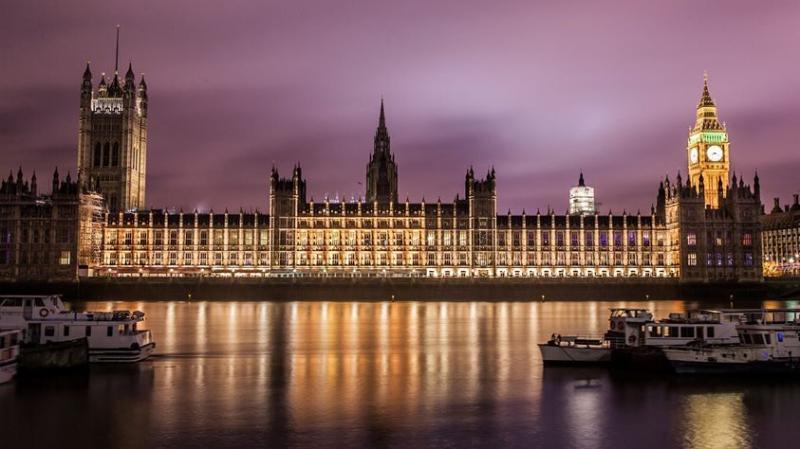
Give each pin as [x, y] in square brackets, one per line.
[638, 340]
[573, 350]
[768, 344]
[634, 338]
[9, 352]
[112, 336]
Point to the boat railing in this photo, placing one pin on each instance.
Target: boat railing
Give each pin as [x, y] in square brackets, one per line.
[575, 340]
[113, 316]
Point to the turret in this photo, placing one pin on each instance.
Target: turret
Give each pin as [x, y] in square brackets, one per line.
[55, 181]
[776, 207]
[130, 81]
[756, 187]
[102, 87]
[86, 87]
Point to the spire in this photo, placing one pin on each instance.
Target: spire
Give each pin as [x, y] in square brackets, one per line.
[87, 74]
[581, 183]
[707, 111]
[381, 135]
[116, 54]
[705, 99]
[129, 75]
[382, 119]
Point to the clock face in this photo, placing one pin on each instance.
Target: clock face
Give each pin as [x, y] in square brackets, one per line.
[693, 155]
[714, 153]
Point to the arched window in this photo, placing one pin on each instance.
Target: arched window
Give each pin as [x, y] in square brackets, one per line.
[96, 154]
[115, 155]
[106, 154]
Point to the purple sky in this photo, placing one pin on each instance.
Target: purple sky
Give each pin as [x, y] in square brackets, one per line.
[537, 89]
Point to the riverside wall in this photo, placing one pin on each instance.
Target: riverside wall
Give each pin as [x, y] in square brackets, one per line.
[402, 289]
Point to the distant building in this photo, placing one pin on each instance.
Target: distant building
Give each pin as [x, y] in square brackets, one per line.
[781, 235]
[581, 199]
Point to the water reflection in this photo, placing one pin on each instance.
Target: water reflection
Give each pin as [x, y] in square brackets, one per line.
[400, 374]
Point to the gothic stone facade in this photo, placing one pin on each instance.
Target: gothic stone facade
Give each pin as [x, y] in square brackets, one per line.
[781, 236]
[112, 139]
[705, 229]
[41, 235]
[689, 235]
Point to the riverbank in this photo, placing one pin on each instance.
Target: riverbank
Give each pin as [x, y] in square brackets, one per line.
[372, 289]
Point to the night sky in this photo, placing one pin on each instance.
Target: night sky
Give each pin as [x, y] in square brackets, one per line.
[537, 89]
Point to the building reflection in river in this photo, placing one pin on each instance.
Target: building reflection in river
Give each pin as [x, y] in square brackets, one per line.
[398, 374]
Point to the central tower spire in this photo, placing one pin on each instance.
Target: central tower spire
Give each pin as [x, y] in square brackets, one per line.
[381, 169]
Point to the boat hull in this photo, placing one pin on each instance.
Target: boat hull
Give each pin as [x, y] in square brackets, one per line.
[8, 370]
[122, 355]
[641, 358]
[772, 367]
[56, 355]
[571, 355]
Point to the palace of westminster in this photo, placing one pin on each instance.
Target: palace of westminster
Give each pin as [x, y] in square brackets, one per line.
[705, 227]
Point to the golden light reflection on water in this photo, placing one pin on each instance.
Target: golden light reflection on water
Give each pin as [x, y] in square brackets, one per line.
[716, 421]
[303, 366]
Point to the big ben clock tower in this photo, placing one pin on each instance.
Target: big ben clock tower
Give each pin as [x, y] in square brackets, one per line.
[708, 149]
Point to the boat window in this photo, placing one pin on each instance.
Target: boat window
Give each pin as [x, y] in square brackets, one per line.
[119, 329]
[49, 331]
[13, 302]
[39, 302]
[110, 331]
[88, 331]
[699, 331]
[66, 331]
[767, 339]
[2, 342]
[27, 303]
[746, 338]
[780, 336]
[673, 331]
[651, 331]
[687, 332]
[758, 339]
[710, 332]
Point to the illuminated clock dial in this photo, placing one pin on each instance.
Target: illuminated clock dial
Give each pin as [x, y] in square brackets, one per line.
[693, 155]
[714, 153]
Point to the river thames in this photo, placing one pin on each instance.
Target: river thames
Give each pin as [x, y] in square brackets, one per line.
[381, 374]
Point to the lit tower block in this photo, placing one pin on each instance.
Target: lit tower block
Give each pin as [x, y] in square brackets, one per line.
[112, 139]
[708, 150]
[581, 199]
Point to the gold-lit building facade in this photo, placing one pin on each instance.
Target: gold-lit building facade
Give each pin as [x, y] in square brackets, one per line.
[781, 237]
[695, 232]
[686, 236]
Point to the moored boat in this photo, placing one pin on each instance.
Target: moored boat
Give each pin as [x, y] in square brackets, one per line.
[769, 344]
[112, 337]
[644, 340]
[9, 353]
[573, 350]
